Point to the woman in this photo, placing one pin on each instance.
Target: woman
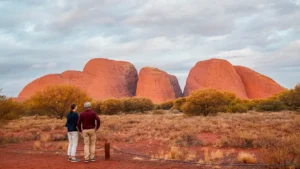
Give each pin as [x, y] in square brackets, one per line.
[72, 119]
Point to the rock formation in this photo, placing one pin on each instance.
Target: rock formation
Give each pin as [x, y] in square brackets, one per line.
[257, 85]
[101, 78]
[104, 78]
[157, 85]
[112, 79]
[41, 83]
[217, 74]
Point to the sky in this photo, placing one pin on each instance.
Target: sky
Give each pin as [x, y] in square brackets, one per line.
[38, 37]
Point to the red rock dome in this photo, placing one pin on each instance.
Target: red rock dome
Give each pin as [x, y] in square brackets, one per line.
[101, 78]
[217, 74]
[257, 85]
[157, 85]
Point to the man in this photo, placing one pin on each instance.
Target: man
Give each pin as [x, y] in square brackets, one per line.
[88, 124]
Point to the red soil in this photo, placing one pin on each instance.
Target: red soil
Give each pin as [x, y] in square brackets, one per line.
[15, 160]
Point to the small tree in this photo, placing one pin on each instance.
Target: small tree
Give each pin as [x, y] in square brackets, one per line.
[56, 100]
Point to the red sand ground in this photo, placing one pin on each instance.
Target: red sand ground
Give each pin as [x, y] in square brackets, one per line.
[13, 160]
[12, 157]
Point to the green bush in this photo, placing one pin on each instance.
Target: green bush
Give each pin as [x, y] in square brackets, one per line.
[96, 106]
[9, 109]
[178, 103]
[137, 104]
[167, 105]
[291, 98]
[157, 107]
[252, 104]
[111, 106]
[205, 102]
[271, 104]
[238, 108]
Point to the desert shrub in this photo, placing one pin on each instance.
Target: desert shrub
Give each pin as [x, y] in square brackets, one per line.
[158, 112]
[167, 105]
[177, 153]
[210, 155]
[137, 104]
[56, 100]
[188, 140]
[157, 107]
[111, 106]
[246, 158]
[178, 103]
[271, 104]
[252, 104]
[96, 106]
[205, 102]
[238, 108]
[291, 98]
[36, 145]
[282, 151]
[10, 109]
[6, 140]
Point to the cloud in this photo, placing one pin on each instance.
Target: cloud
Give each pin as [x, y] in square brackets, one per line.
[40, 37]
[45, 65]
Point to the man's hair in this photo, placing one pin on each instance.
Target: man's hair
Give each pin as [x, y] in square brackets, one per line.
[87, 105]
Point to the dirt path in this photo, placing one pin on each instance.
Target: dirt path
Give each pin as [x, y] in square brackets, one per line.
[9, 160]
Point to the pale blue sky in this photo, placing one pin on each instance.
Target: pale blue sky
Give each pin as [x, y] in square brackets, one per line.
[38, 37]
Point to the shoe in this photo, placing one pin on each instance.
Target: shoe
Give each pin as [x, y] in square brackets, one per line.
[69, 159]
[86, 161]
[93, 160]
[75, 160]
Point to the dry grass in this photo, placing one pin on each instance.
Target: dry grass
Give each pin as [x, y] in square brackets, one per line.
[246, 158]
[45, 137]
[36, 145]
[248, 130]
[234, 130]
[62, 146]
[176, 153]
[210, 156]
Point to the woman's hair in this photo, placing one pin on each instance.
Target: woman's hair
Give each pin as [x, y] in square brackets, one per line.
[73, 106]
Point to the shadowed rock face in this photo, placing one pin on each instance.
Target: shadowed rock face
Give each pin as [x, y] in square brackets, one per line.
[176, 86]
[101, 78]
[157, 85]
[217, 74]
[257, 85]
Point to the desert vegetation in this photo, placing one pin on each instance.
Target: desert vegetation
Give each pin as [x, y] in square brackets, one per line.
[54, 101]
[253, 137]
[208, 126]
